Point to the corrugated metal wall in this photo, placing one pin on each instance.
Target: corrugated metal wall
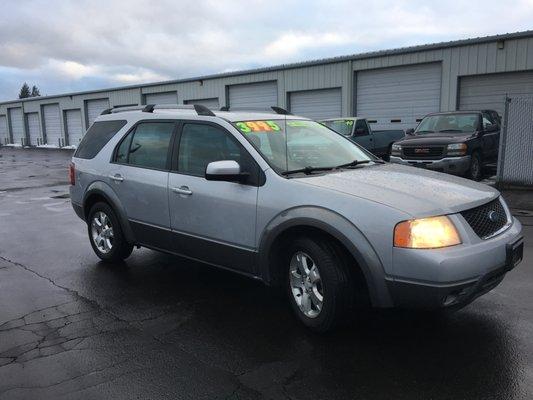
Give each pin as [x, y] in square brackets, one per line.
[456, 61]
[515, 164]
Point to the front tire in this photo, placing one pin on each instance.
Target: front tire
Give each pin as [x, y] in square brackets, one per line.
[319, 286]
[105, 234]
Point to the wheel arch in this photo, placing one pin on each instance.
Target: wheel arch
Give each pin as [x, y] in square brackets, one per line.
[100, 191]
[317, 220]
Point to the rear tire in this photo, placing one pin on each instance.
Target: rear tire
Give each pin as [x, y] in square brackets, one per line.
[319, 286]
[475, 172]
[105, 234]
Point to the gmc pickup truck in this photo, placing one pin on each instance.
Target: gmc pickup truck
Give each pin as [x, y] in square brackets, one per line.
[457, 142]
[358, 130]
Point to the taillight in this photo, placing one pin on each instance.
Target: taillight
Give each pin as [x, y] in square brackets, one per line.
[72, 174]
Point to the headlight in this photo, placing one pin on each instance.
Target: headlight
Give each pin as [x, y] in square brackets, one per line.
[456, 149]
[426, 233]
[396, 150]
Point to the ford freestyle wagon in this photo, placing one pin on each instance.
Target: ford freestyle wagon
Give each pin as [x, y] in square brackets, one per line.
[288, 201]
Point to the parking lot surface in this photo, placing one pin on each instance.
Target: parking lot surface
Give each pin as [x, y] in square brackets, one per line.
[159, 326]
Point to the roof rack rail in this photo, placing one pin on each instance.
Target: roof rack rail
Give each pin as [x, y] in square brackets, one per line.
[276, 109]
[203, 110]
[149, 108]
[279, 110]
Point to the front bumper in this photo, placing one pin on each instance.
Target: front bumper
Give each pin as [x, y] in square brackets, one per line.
[454, 276]
[449, 165]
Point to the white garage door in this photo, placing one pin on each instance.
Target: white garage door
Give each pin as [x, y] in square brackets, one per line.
[489, 91]
[74, 126]
[395, 98]
[254, 95]
[317, 104]
[209, 103]
[95, 108]
[34, 127]
[162, 98]
[3, 129]
[17, 124]
[52, 124]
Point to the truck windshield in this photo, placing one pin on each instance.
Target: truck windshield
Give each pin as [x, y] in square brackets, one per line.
[449, 123]
[291, 145]
[343, 126]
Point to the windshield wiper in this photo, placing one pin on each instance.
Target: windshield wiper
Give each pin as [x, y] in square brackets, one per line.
[425, 132]
[451, 130]
[309, 170]
[306, 170]
[354, 163]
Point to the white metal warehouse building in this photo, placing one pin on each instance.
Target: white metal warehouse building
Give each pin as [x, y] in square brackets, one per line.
[393, 89]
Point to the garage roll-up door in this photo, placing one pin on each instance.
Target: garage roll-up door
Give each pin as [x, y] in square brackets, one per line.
[395, 98]
[489, 91]
[34, 127]
[209, 103]
[74, 127]
[253, 95]
[3, 129]
[95, 108]
[162, 98]
[52, 124]
[317, 104]
[17, 124]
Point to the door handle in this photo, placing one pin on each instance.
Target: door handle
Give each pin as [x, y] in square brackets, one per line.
[182, 190]
[117, 177]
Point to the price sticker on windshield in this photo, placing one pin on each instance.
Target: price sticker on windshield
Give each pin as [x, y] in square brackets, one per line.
[257, 126]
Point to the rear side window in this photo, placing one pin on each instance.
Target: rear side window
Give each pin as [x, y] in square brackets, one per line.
[146, 146]
[97, 137]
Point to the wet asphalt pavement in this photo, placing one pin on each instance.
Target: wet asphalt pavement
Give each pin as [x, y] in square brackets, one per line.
[159, 326]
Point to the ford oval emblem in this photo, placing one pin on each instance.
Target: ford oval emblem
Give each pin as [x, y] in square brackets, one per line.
[493, 216]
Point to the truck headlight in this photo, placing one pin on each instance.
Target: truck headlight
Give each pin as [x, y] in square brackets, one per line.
[426, 233]
[456, 149]
[396, 150]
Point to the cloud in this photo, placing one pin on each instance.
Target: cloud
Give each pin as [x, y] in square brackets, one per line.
[89, 44]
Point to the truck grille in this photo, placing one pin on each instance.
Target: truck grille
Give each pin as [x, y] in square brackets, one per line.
[487, 219]
[423, 152]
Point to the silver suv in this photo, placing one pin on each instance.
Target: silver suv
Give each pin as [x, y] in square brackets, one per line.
[292, 203]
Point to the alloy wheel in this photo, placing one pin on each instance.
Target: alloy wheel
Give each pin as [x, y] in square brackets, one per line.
[306, 284]
[102, 232]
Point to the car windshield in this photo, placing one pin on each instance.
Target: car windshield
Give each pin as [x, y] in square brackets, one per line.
[290, 145]
[449, 123]
[343, 126]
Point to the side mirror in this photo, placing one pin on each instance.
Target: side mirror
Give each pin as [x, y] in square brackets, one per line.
[225, 170]
[491, 128]
[410, 131]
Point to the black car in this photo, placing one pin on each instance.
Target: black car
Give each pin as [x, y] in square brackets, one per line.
[456, 142]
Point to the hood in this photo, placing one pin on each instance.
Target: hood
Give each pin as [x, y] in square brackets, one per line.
[418, 192]
[434, 138]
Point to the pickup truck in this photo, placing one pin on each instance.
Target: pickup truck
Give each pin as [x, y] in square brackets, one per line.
[358, 130]
[458, 142]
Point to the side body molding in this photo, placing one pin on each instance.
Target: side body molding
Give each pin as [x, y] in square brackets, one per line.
[337, 226]
[102, 189]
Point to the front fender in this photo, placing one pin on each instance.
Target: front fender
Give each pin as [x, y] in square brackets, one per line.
[340, 228]
[102, 189]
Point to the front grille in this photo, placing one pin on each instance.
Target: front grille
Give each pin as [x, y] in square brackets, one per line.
[487, 219]
[423, 152]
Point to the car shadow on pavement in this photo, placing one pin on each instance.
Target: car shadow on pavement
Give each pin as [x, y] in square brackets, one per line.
[239, 325]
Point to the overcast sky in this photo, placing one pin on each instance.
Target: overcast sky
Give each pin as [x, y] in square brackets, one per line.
[64, 46]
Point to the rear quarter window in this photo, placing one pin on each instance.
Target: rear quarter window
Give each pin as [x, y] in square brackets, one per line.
[97, 137]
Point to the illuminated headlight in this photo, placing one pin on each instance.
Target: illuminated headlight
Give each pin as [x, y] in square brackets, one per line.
[456, 149]
[426, 233]
[396, 150]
